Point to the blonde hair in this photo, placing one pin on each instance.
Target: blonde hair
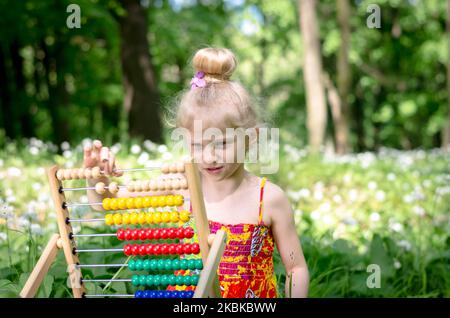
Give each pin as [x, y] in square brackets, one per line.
[222, 103]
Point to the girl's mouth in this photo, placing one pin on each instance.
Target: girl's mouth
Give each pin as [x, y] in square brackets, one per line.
[214, 170]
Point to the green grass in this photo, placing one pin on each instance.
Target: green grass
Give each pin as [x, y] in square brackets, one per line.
[389, 208]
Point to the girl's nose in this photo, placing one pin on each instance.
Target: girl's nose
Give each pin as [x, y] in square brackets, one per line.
[209, 155]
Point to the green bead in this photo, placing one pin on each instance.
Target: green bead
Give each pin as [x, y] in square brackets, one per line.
[153, 264]
[135, 280]
[172, 280]
[139, 265]
[194, 279]
[156, 280]
[176, 264]
[183, 264]
[198, 264]
[179, 280]
[146, 265]
[168, 264]
[149, 280]
[164, 280]
[143, 280]
[161, 264]
[186, 280]
[191, 264]
[131, 265]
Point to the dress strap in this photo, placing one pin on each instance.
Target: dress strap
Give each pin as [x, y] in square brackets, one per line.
[261, 194]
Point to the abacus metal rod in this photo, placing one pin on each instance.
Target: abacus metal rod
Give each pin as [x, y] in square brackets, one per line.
[107, 280]
[87, 188]
[100, 265]
[97, 250]
[84, 220]
[94, 235]
[107, 295]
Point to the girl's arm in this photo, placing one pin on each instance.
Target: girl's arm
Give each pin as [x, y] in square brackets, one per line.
[288, 243]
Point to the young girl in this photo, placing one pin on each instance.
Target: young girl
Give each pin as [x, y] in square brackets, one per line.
[254, 212]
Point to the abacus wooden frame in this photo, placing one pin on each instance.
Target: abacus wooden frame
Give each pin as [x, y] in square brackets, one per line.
[208, 285]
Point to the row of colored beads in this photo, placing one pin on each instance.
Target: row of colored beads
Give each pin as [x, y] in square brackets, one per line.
[155, 234]
[163, 294]
[135, 218]
[165, 264]
[157, 201]
[164, 280]
[161, 249]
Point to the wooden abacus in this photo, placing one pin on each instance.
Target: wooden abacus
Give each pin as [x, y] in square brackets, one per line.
[210, 247]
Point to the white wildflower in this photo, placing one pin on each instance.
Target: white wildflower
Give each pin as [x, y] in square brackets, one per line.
[143, 157]
[337, 198]
[380, 195]
[404, 244]
[33, 150]
[372, 185]
[3, 236]
[397, 264]
[391, 176]
[14, 172]
[65, 145]
[304, 193]
[36, 229]
[353, 195]
[374, 216]
[315, 215]
[162, 148]
[318, 195]
[135, 149]
[396, 227]
[167, 156]
[36, 186]
[418, 210]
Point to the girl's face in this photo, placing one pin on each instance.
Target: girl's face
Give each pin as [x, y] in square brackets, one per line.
[217, 157]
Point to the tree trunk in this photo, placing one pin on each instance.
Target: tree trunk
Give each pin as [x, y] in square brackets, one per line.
[312, 70]
[343, 77]
[141, 100]
[446, 130]
[6, 114]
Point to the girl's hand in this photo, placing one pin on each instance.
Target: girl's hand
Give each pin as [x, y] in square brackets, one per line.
[102, 157]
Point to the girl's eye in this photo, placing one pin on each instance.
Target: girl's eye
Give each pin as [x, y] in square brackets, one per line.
[196, 146]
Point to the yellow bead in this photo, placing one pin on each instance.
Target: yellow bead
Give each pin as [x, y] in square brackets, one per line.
[114, 205]
[141, 218]
[138, 203]
[146, 202]
[161, 201]
[157, 217]
[122, 203]
[106, 203]
[174, 217]
[184, 216]
[130, 203]
[154, 201]
[134, 218]
[170, 200]
[165, 217]
[149, 218]
[126, 218]
[178, 200]
[117, 219]
[109, 219]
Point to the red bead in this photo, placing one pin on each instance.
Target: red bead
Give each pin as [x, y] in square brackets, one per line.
[188, 232]
[180, 233]
[163, 249]
[172, 249]
[164, 234]
[135, 249]
[142, 234]
[149, 234]
[179, 249]
[171, 233]
[120, 234]
[127, 250]
[195, 248]
[156, 234]
[149, 249]
[156, 249]
[127, 234]
[135, 234]
[142, 249]
[187, 249]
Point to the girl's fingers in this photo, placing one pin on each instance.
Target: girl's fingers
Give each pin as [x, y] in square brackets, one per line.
[105, 154]
[87, 156]
[111, 162]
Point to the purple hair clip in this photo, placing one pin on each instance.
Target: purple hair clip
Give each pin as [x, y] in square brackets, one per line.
[198, 81]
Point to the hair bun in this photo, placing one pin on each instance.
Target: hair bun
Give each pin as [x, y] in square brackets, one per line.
[216, 62]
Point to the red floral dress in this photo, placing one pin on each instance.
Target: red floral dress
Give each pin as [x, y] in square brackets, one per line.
[246, 269]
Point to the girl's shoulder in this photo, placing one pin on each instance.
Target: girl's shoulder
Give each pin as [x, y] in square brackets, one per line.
[275, 200]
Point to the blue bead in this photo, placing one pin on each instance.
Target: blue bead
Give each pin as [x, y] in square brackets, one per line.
[146, 294]
[160, 294]
[182, 294]
[167, 294]
[138, 294]
[153, 294]
[175, 294]
[190, 294]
